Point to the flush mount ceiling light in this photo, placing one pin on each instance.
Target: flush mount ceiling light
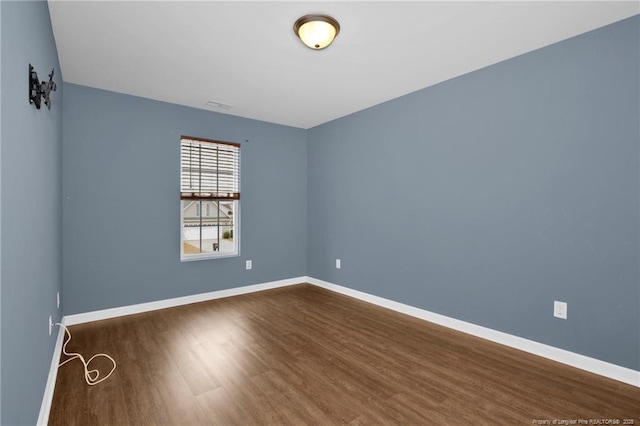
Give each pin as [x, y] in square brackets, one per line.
[316, 31]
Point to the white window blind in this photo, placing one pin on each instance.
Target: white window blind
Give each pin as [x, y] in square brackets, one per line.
[209, 170]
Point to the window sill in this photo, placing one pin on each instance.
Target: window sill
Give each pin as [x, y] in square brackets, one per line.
[207, 256]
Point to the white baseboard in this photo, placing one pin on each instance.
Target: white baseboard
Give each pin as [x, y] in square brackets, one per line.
[47, 398]
[582, 362]
[178, 301]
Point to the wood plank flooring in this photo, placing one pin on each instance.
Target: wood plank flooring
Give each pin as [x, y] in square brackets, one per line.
[303, 355]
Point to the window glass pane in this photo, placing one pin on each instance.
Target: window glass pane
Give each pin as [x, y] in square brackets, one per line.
[208, 227]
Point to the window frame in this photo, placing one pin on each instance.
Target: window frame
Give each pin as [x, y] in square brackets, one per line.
[236, 208]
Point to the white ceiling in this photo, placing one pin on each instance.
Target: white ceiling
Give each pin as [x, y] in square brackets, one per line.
[246, 54]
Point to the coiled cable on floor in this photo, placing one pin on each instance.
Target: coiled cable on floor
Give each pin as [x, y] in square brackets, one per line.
[90, 376]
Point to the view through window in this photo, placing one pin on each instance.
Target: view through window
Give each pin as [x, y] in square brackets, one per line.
[209, 198]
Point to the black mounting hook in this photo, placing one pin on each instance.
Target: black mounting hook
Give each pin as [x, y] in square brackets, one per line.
[40, 90]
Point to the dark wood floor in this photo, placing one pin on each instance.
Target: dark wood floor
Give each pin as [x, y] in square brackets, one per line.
[304, 355]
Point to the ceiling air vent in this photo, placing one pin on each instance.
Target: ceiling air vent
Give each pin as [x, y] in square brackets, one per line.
[221, 105]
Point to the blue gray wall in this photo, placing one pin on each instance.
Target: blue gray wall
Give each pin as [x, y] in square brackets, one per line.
[121, 205]
[489, 196]
[31, 173]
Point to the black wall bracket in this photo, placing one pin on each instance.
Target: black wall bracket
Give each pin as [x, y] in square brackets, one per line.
[40, 90]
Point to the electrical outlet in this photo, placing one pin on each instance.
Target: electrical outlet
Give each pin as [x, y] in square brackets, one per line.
[338, 264]
[50, 324]
[249, 265]
[560, 309]
[58, 300]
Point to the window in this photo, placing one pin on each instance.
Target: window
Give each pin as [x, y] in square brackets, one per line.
[209, 198]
